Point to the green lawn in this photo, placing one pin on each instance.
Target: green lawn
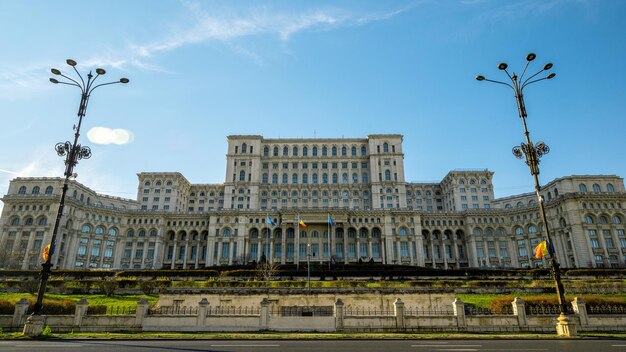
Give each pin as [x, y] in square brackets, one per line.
[124, 301]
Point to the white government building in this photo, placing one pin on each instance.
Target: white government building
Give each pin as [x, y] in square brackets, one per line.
[360, 183]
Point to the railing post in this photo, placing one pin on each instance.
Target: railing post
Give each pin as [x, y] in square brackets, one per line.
[142, 311]
[202, 309]
[21, 309]
[519, 309]
[399, 312]
[580, 307]
[459, 311]
[81, 311]
[265, 314]
[339, 315]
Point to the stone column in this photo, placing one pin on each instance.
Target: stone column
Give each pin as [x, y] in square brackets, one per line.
[81, 311]
[265, 314]
[339, 315]
[398, 306]
[202, 310]
[142, 311]
[21, 309]
[564, 327]
[459, 311]
[519, 309]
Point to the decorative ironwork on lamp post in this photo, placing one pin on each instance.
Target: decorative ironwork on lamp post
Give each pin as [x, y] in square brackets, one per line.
[73, 152]
[533, 153]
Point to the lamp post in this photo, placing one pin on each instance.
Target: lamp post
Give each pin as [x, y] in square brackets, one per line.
[73, 152]
[533, 153]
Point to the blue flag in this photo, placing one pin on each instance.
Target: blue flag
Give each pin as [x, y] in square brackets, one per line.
[269, 221]
[330, 221]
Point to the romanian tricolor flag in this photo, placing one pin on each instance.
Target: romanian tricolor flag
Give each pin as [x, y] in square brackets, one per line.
[301, 222]
[543, 249]
[46, 252]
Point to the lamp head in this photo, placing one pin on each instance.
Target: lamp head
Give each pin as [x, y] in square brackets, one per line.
[480, 78]
[55, 71]
[548, 66]
[100, 71]
[502, 66]
[71, 62]
[124, 80]
[54, 80]
[530, 57]
[551, 76]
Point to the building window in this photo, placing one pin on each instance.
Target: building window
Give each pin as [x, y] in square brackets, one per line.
[582, 188]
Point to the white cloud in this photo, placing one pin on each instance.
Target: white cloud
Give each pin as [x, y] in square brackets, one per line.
[105, 135]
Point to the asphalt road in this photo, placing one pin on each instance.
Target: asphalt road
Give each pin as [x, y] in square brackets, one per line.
[574, 345]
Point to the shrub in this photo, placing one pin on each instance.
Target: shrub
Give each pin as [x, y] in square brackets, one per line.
[99, 309]
[108, 286]
[148, 286]
[47, 331]
[30, 286]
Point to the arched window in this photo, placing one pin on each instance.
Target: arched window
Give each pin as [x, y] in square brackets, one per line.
[49, 190]
[610, 188]
[86, 229]
[489, 232]
[324, 151]
[363, 151]
[324, 178]
[169, 183]
[294, 179]
[364, 178]
[236, 149]
[142, 233]
[295, 151]
[385, 148]
[285, 151]
[315, 151]
[532, 229]
[305, 151]
[519, 204]
[242, 175]
[15, 221]
[305, 178]
[35, 190]
[596, 188]
[335, 178]
[556, 192]
[478, 232]
[99, 230]
[500, 232]
[508, 206]
[334, 151]
[285, 178]
[617, 219]
[22, 190]
[353, 151]
[387, 175]
[532, 202]
[112, 232]
[604, 220]
[275, 179]
[226, 232]
[244, 148]
[275, 151]
[43, 221]
[265, 179]
[355, 178]
[403, 232]
[519, 231]
[344, 178]
[28, 221]
[582, 188]
[589, 219]
[344, 151]
[266, 151]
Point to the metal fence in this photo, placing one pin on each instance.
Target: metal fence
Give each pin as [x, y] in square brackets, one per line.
[471, 311]
[233, 311]
[367, 311]
[607, 309]
[416, 311]
[121, 310]
[303, 311]
[173, 310]
[542, 309]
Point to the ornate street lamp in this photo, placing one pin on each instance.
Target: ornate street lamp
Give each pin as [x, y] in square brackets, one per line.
[73, 152]
[533, 153]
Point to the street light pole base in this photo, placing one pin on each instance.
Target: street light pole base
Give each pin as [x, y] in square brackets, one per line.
[34, 325]
[565, 327]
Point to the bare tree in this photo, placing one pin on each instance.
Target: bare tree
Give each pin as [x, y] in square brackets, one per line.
[266, 271]
[9, 260]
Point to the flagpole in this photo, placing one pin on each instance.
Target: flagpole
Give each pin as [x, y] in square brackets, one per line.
[330, 239]
[297, 240]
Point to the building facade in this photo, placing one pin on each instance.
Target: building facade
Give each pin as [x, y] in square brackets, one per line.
[351, 197]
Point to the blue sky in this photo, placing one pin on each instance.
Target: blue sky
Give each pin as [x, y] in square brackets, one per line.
[202, 70]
